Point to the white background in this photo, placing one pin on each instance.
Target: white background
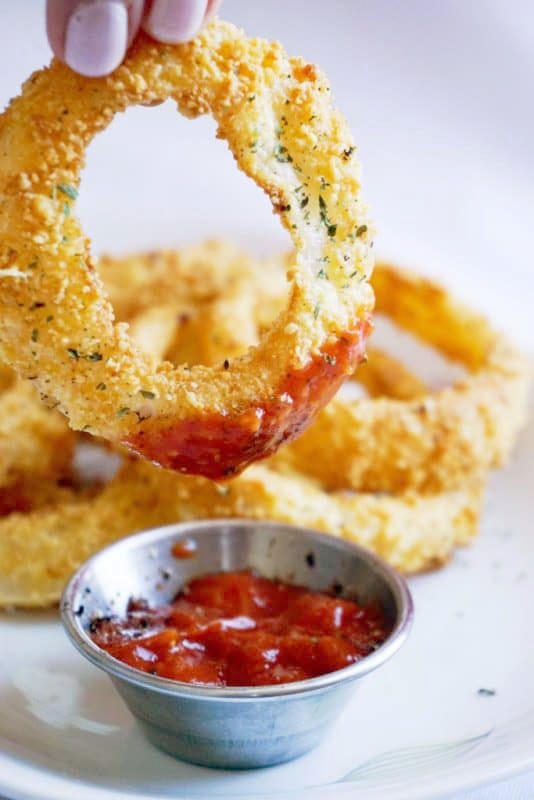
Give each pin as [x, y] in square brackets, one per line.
[440, 98]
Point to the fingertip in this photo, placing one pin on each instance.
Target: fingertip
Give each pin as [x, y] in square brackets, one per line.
[213, 7]
[96, 37]
[175, 21]
[57, 15]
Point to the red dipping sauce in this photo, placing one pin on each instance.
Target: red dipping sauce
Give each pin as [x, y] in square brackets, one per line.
[238, 629]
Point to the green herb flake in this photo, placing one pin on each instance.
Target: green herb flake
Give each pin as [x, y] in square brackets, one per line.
[251, 98]
[322, 274]
[486, 692]
[329, 359]
[361, 230]
[281, 154]
[73, 353]
[50, 317]
[69, 190]
[33, 264]
[316, 310]
[123, 411]
[35, 335]
[304, 202]
[101, 387]
[330, 227]
[348, 152]
[148, 394]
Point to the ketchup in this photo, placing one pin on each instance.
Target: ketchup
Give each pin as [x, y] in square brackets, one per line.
[239, 629]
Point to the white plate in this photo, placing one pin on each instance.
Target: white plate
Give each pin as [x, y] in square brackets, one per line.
[417, 728]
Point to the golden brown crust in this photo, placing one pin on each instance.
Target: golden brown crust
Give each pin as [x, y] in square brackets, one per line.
[40, 549]
[277, 116]
[35, 443]
[412, 437]
[434, 442]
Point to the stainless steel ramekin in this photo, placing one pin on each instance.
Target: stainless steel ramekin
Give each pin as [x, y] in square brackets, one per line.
[232, 727]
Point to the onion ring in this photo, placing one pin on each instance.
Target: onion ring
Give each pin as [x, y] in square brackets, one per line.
[437, 441]
[56, 323]
[192, 275]
[40, 549]
[424, 440]
[35, 443]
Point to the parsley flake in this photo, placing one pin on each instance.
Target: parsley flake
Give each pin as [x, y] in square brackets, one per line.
[148, 394]
[69, 190]
[330, 227]
[281, 154]
[123, 411]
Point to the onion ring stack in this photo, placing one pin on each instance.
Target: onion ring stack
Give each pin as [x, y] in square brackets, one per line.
[216, 320]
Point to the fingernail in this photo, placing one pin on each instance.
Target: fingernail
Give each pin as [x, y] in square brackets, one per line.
[175, 21]
[97, 37]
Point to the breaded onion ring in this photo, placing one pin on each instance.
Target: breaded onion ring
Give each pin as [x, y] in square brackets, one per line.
[40, 549]
[35, 443]
[434, 442]
[421, 439]
[56, 323]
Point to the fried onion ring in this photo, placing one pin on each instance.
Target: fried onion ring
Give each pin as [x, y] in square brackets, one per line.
[35, 443]
[57, 324]
[424, 440]
[40, 549]
[437, 441]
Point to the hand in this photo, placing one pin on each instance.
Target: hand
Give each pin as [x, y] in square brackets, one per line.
[92, 36]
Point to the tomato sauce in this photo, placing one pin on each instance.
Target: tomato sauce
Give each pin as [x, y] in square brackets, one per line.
[239, 629]
[218, 446]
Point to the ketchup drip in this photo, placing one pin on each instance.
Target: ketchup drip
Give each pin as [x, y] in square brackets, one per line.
[218, 446]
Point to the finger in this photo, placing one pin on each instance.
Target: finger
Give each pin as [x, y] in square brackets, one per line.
[175, 21]
[213, 7]
[92, 36]
[57, 16]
